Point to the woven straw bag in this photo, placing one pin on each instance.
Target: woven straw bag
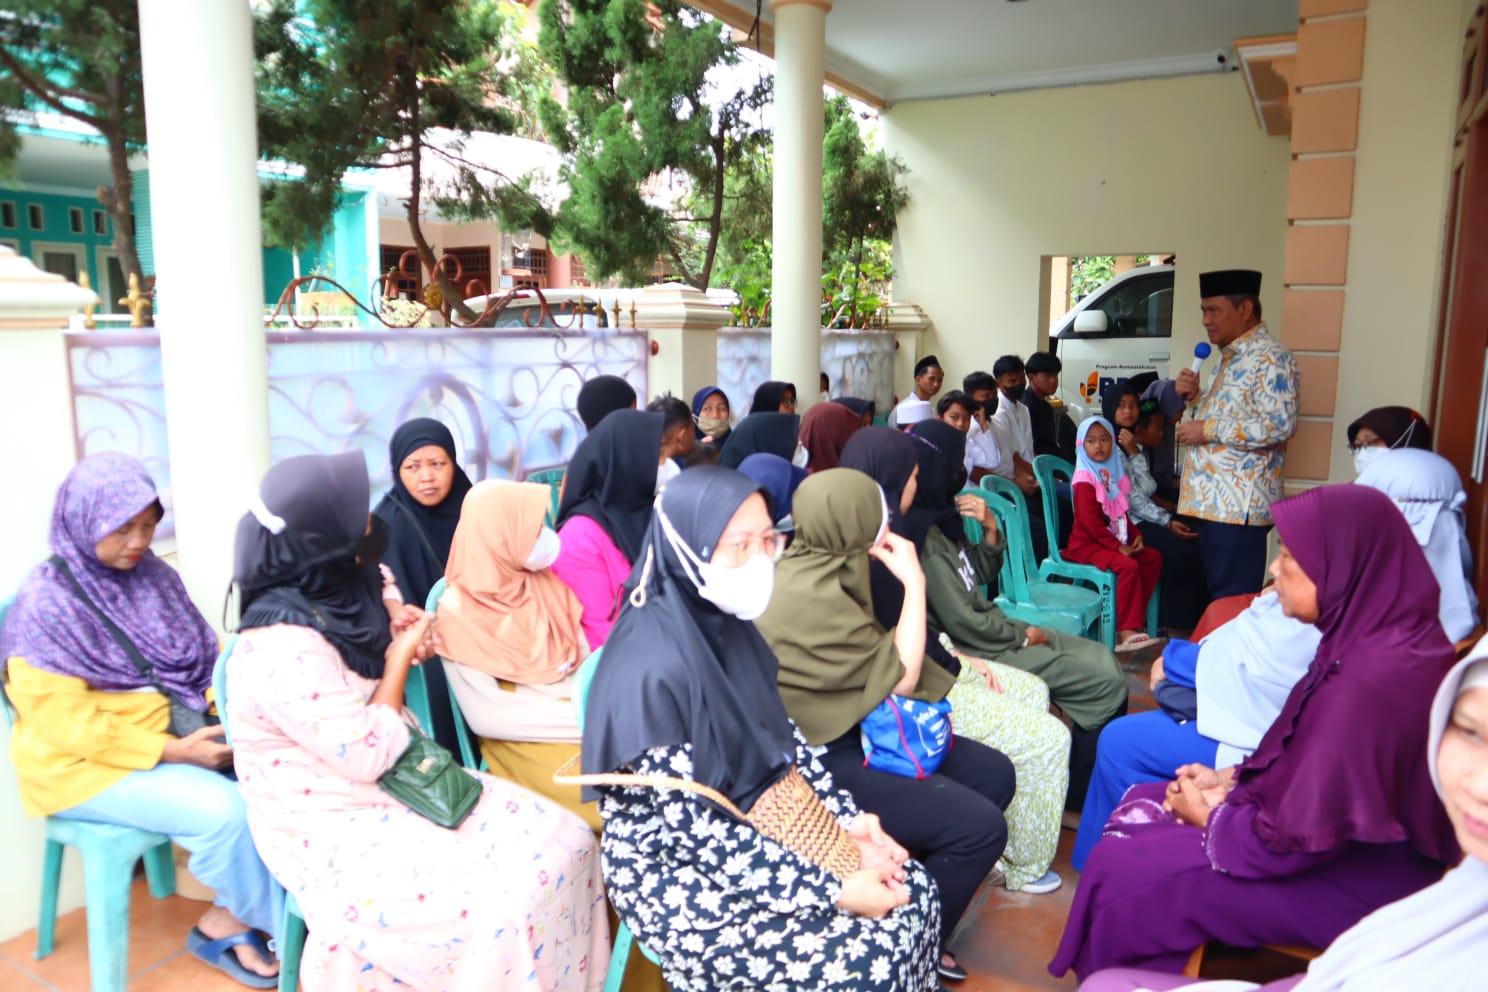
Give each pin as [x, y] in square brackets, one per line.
[788, 812]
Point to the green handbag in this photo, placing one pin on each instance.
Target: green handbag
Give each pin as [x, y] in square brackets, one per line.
[429, 781]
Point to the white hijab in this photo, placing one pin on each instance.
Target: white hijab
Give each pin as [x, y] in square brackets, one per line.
[1438, 938]
[1428, 491]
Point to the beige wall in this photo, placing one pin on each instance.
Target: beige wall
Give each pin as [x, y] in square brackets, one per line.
[998, 182]
[1412, 51]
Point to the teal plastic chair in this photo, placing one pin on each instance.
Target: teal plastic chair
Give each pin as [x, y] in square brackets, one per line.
[292, 929]
[1051, 470]
[1022, 593]
[553, 479]
[109, 854]
[624, 939]
[416, 695]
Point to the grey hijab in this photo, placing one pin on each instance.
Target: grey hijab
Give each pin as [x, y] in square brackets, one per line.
[1436, 939]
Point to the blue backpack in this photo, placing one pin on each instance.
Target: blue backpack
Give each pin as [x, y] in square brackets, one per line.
[907, 737]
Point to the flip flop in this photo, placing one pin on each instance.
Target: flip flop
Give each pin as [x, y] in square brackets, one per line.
[1142, 643]
[219, 954]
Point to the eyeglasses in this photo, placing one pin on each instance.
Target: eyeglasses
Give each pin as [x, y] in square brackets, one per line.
[770, 544]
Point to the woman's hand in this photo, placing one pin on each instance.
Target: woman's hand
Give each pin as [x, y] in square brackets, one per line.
[900, 558]
[1181, 529]
[1189, 803]
[204, 748]
[1137, 544]
[977, 509]
[1157, 675]
[873, 892]
[1214, 786]
[1035, 636]
[985, 671]
[1128, 441]
[1127, 550]
[874, 846]
[414, 643]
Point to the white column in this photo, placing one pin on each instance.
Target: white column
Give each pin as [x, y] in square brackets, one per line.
[800, 72]
[203, 149]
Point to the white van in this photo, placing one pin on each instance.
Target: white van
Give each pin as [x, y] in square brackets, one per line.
[1122, 329]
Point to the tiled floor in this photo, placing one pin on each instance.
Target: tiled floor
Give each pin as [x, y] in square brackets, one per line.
[1008, 948]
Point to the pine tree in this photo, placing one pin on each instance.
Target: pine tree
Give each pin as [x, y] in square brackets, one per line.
[80, 59]
[655, 91]
[346, 84]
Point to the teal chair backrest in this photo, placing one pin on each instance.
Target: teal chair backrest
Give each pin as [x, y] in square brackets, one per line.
[1011, 507]
[4, 699]
[553, 479]
[583, 678]
[1050, 470]
[219, 683]
[416, 693]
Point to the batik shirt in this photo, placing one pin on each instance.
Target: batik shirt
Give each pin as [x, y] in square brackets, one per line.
[1249, 412]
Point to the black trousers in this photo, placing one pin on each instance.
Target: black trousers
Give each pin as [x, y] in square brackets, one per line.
[1234, 557]
[951, 822]
[1185, 586]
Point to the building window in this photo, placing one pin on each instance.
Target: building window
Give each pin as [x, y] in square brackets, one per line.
[100, 223]
[404, 285]
[35, 217]
[577, 274]
[475, 263]
[75, 220]
[7, 214]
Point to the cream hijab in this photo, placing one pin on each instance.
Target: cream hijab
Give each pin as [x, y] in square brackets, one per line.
[496, 616]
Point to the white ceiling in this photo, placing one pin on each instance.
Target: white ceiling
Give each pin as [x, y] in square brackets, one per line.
[901, 50]
[47, 164]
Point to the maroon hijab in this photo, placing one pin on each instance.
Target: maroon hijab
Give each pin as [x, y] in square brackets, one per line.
[1343, 761]
[825, 431]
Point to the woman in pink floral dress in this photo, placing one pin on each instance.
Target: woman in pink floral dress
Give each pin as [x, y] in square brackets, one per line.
[510, 900]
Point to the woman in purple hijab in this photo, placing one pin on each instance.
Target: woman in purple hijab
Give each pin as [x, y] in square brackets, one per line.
[100, 645]
[1330, 818]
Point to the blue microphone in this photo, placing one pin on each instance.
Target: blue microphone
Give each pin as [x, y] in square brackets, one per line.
[1201, 352]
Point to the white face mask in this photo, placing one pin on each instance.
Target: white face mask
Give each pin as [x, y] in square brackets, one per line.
[801, 457]
[1363, 456]
[743, 591]
[666, 472]
[544, 551]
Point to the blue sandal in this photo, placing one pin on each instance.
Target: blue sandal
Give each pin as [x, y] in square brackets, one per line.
[219, 954]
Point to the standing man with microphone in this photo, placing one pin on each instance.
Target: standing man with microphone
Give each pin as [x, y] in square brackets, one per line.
[1236, 441]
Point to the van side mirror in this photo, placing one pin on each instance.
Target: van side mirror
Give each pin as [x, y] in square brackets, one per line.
[1090, 322]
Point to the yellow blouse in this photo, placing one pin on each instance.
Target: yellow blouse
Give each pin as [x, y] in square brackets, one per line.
[70, 742]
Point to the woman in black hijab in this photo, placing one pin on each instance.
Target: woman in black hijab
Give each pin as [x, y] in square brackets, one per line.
[1084, 678]
[315, 705]
[866, 409]
[605, 512]
[423, 505]
[774, 397]
[767, 433]
[420, 512]
[686, 688]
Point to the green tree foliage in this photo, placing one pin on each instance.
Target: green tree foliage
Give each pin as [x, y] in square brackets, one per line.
[80, 59]
[652, 95]
[861, 199]
[346, 84]
[1089, 272]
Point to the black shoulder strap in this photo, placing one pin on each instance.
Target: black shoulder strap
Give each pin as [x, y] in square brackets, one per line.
[118, 635]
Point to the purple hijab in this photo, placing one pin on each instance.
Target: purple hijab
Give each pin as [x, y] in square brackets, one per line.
[55, 631]
[1342, 763]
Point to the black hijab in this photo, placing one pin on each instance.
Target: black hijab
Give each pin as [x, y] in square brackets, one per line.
[419, 536]
[676, 670]
[768, 396]
[602, 396]
[1397, 426]
[858, 406]
[889, 457]
[942, 457]
[295, 558]
[612, 478]
[771, 433]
